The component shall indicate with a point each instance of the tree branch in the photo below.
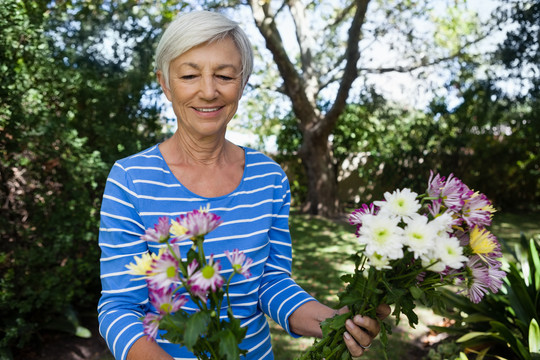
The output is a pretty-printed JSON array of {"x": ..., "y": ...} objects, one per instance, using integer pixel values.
[
  {"x": 423, "y": 62},
  {"x": 293, "y": 83},
  {"x": 350, "y": 72}
]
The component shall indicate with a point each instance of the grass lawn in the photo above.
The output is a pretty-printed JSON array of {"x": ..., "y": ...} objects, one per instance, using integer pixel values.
[{"x": 320, "y": 258}]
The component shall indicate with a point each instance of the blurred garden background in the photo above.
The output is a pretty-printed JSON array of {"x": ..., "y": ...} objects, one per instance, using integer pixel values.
[{"x": 352, "y": 98}]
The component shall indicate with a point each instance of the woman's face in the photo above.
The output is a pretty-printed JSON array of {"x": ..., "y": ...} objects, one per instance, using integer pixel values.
[{"x": 205, "y": 87}]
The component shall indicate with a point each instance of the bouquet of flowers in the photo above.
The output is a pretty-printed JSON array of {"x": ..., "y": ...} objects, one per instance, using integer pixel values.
[
  {"x": 410, "y": 245},
  {"x": 171, "y": 279}
]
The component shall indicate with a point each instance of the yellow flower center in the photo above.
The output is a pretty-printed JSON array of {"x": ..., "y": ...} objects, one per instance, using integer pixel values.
[
  {"x": 171, "y": 272},
  {"x": 208, "y": 272},
  {"x": 237, "y": 267},
  {"x": 481, "y": 242},
  {"x": 166, "y": 308}
]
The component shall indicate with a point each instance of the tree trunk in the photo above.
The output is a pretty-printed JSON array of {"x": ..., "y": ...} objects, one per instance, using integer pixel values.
[{"x": 318, "y": 162}]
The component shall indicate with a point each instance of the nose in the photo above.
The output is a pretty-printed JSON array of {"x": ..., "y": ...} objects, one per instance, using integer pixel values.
[{"x": 208, "y": 88}]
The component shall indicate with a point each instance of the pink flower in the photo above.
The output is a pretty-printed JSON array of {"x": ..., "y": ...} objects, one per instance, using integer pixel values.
[
  {"x": 160, "y": 232},
  {"x": 356, "y": 216},
  {"x": 435, "y": 207},
  {"x": 208, "y": 277},
  {"x": 198, "y": 223},
  {"x": 192, "y": 267},
  {"x": 478, "y": 281},
  {"x": 163, "y": 271},
  {"x": 165, "y": 300},
  {"x": 496, "y": 276},
  {"x": 453, "y": 193},
  {"x": 435, "y": 185},
  {"x": 477, "y": 210},
  {"x": 240, "y": 263},
  {"x": 151, "y": 325}
]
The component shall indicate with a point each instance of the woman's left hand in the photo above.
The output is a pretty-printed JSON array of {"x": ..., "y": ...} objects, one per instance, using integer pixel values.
[{"x": 361, "y": 330}]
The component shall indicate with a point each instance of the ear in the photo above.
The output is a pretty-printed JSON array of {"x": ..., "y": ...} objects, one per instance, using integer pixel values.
[{"x": 164, "y": 87}]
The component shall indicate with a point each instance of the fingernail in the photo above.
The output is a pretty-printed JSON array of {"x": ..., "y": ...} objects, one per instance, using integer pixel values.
[
  {"x": 347, "y": 335},
  {"x": 349, "y": 323},
  {"x": 358, "y": 318}
]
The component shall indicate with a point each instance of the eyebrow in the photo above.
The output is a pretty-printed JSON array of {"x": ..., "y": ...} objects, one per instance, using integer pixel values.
[{"x": 219, "y": 67}]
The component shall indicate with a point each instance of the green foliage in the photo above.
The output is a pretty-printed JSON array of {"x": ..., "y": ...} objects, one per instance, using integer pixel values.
[
  {"x": 444, "y": 351},
  {"x": 203, "y": 332},
  {"x": 68, "y": 109},
  {"x": 503, "y": 324}
]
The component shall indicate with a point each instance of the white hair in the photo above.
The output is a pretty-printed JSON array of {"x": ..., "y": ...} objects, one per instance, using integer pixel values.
[{"x": 194, "y": 28}]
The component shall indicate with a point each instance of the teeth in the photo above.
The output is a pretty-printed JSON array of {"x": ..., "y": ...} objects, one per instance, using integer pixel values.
[{"x": 207, "y": 109}]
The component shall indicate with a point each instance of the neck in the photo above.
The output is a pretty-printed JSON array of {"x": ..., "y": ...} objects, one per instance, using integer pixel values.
[{"x": 205, "y": 151}]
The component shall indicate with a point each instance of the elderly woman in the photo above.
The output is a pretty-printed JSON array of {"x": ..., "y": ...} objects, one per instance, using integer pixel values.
[{"x": 203, "y": 64}]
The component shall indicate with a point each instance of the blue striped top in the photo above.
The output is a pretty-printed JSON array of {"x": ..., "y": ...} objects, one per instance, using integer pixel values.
[{"x": 142, "y": 188}]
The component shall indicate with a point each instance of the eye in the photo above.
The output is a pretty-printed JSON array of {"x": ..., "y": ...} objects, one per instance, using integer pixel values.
[
  {"x": 188, "y": 77},
  {"x": 225, "y": 77}
]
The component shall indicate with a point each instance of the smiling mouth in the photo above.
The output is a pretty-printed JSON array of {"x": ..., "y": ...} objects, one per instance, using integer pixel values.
[{"x": 208, "y": 110}]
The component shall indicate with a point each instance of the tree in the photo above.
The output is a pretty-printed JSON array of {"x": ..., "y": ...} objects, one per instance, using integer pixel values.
[
  {"x": 69, "y": 107},
  {"x": 332, "y": 42}
]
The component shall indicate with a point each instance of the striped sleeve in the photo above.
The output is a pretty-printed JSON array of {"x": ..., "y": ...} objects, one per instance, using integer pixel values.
[
  {"x": 279, "y": 295},
  {"x": 123, "y": 301}
]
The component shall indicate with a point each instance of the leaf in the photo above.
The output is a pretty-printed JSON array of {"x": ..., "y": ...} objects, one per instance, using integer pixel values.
[
  {"x": 406, "y": 306},
  {"x": 195, "y": 327},
  {"x": 534, "y": 337},
  {"x": 228, "y": 347},
  {"x": 515, "y": 344},
  {"x": 519, "y": 295},
  {"x": 416, "y": 292},
  {"x": 472, "y": 335},
  {"x": 334, "y": 323},
  {"x": 175, "y": 326},
  {"x": 83, "y": 332},
  {"x": 476, "y": 318},
  {"x": 482, "y": 354},
  {"x": 535, "y": 266}
]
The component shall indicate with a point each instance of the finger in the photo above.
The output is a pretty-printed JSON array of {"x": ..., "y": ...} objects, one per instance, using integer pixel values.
[
  {"x": 343, "y": 310},
  {"x": 354, "y": 349},
  {"x": 383, "y": 311},
  {"x": 369, "y": 326},
  {"x": 360, "y": 333}
]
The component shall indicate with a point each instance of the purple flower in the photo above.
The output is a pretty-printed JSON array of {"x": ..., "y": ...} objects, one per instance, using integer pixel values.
[
  {"x": 454, "y": 193},
  {"x": 356, "y": 216},
  {"x": 207, "y": 277},
  {"x": 165, "y": 300},
  {"x": 160, "y": 232},
  {"x": 240, "y": 263},
  {"x": 435, "y": 185},
  {"x": 151, "y": 325},
  {"x": 496, "y": 276},
  {"x": 477, "y": 210},
  {"x": 435, "y": 207},
  {"x": 478, "y": 281},
  {"x": 163, "y": 271},
  {"x": 197, "y": 223}
]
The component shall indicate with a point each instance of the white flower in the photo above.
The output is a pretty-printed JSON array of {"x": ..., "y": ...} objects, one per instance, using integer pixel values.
[
  {"x": 450, "y": 252},
  {"x": 443, "y": 223},
  {"x": 419, "y": 235},
  {"x": 434, "y": 265},
  {"x": 402, "y": 203},
  {"x": 382, "y": 235},
  {"x": 379, "y": 262}
]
